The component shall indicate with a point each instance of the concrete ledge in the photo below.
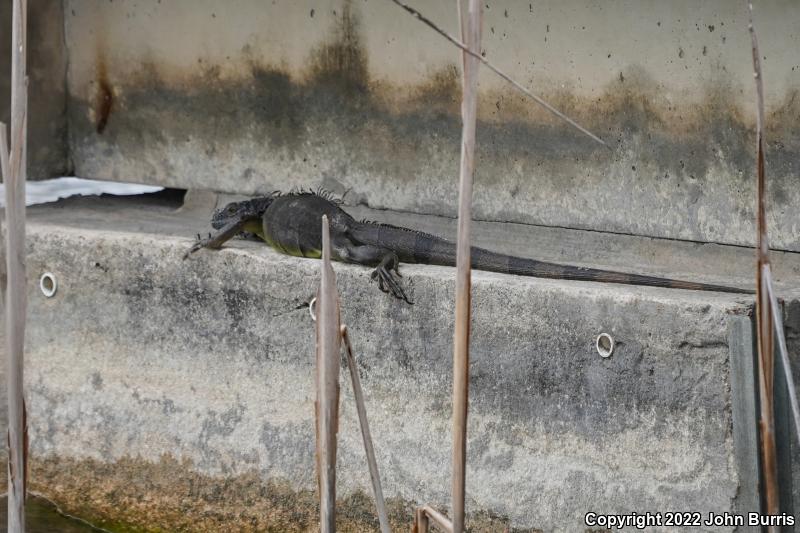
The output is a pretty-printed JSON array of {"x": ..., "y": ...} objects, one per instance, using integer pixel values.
[{"x": 209, "y": 361}]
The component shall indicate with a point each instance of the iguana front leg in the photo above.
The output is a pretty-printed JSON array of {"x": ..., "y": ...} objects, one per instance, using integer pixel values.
[{"x": 219, "y": 238}]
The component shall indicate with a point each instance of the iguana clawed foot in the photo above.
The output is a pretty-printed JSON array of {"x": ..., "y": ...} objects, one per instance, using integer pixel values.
[
  {"x": 200, "y": 243},
  {"x": 386, "y": 281}
]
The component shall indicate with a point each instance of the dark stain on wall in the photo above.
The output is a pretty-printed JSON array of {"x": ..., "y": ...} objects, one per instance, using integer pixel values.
[
  {"x": 105, "y": 96},
  {"x": 336, "y": 121},
  {"x": 441, "y": 93},
  {"x": 342, "y": 62}
]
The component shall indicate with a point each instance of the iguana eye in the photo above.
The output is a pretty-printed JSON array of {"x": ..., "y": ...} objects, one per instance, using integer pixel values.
[{"x": 231, "y": 209}]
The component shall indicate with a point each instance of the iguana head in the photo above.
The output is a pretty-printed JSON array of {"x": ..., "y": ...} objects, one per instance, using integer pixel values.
[{"x": 246, "y": 209}]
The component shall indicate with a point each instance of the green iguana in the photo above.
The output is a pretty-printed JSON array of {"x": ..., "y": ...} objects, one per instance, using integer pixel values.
[{"x": 291, "y": 223}]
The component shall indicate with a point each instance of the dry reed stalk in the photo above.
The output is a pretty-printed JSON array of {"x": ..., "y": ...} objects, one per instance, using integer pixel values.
[
  {"x": 764, "y": 319},
  {"x": 16, "y": 302},
  {"x": 471, "y": 30},
  {"x": 787, "y": 367},
  {"x": 327, "y": 381},
  {"x": 369, "y": 450},
  {"x": 425, "y": 515},
  {"x": 4, "y": 172}
]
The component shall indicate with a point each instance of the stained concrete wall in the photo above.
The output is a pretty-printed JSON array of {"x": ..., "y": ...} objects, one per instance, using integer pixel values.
[
  {"x": 144, "y": 363},
  {"x": 360, "y": 98},
  {"x": 47, "y": 94},
  {"x": 203, "y": 366}
]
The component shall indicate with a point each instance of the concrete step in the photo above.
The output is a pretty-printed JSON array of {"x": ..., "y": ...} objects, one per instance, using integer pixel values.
[{"x": 143, "y": 357}]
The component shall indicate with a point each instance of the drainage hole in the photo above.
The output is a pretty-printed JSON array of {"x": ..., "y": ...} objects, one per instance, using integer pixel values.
[
  {"x": 48, "y": 284},
  {"x": 604, "y": 345}
]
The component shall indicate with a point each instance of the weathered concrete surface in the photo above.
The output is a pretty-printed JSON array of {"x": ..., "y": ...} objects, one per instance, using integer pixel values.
[
  {"x": 47, "y": 89},
  {"x": 209, "y": 360},
  {"x": 358, "y": 96},
  {"x": 138, "y": 496}
]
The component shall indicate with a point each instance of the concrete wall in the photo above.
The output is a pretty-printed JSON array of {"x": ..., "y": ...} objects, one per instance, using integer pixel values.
[
  {"x": 47, "y": 95},
  {"x": 205, "y": 368},
  {"x": 357, "y": 96}
]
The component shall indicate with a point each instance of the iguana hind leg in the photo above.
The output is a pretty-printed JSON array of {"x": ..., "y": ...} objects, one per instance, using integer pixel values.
[
  {"x": 386, "y": 282},
  {"x": 384, "y": 260}
]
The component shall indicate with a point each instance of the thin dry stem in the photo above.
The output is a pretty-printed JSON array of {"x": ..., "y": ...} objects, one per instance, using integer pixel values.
[
  {"x": 327, "y": 381},
  {"x": 784, "y": 352},
  {"x": 369, "y": 450},
  {"x": 4, "y": 174},
  {"x": 764, "y": 319},
  {"x": 539, "y": 100},
  {"x": 425, "y": 515},
  {"x": 461, "y": 336},
  {"x": 16, "y": 300}
]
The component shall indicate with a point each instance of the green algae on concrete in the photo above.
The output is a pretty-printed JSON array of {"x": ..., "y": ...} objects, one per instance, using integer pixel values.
[
  {"x": 137, "y": 496},
  {"x": 42, "y": 516}
]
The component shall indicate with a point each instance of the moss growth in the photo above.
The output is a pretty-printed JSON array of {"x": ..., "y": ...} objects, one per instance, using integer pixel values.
[{"x": 137, "y": 496}]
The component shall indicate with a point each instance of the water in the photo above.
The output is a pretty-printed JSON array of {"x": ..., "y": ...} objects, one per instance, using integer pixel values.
[{"x": 42, "y": 517}]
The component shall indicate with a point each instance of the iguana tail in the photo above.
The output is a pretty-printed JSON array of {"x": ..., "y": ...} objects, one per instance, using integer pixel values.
[
  {"x": 417, "y": 247},
  {"x": 493, "y": 262}
]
